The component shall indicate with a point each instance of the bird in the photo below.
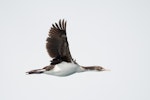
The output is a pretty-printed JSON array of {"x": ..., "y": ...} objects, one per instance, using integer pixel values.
[{"x": 62, "y": 63}]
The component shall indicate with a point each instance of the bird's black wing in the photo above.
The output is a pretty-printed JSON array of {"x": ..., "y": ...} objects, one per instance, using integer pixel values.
[{"x": 57, "y": 44}]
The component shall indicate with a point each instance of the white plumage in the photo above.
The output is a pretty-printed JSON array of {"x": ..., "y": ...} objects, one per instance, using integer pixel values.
[{"x": 64, "y": 69}]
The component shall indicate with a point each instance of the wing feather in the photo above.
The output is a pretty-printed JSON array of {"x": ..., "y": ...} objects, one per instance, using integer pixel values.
[{"x": 57, "y": 44}]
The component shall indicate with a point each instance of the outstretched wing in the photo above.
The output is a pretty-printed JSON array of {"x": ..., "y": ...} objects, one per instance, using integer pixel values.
[{"x": 57, "y": 44}]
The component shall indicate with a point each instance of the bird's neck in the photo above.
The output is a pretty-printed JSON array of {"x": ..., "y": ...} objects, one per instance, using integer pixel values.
[
  {"x": 90, "y": 68},
  {"x": 87, "y": 68}
]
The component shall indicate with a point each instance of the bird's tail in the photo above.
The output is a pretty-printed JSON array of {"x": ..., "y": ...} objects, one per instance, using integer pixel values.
[{"x": 36, "y": 71}]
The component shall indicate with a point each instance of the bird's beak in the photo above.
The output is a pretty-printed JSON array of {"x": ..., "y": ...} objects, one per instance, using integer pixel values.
[{"x": 106, "y": 69}]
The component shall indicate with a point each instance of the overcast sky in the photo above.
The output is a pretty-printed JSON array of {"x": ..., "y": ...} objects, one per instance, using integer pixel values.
[{"x": 112, "y": 33}]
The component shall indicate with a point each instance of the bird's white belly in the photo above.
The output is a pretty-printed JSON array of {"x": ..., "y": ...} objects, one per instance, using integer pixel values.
[{"x": 63, "y": 69}]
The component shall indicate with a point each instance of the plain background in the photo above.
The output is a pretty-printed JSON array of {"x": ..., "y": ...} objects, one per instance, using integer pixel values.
[{"x": 111, "y": 33}]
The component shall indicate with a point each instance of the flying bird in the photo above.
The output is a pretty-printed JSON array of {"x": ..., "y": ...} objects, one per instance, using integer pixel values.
[{"x": 62, "y": 63}]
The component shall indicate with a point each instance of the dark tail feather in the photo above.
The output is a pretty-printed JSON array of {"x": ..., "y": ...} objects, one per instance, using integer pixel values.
[{"x": 37, "y": 71}]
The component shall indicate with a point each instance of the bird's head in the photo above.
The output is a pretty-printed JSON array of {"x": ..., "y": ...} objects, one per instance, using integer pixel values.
[
  {"x": 100, "y": 68},
  {"x": 95, "y": 68}
]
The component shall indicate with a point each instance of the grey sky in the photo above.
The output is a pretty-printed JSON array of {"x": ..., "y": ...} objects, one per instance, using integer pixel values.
[{"x": 111, "y": 33}]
